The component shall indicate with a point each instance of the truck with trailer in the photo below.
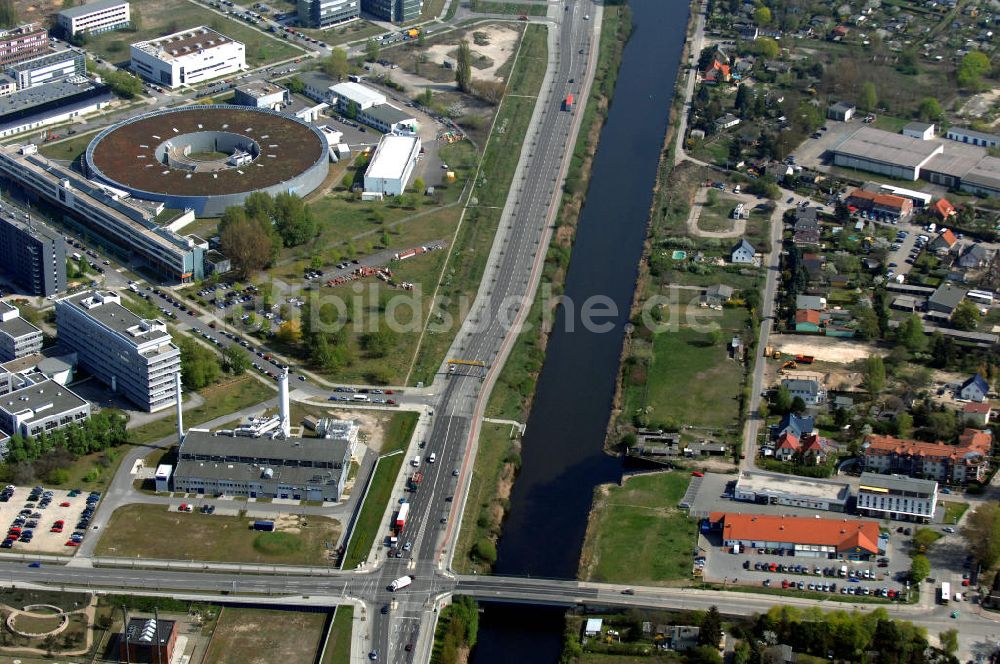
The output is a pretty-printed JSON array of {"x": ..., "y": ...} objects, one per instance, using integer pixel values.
[
  {"x": 415, "y": 480},
  {"x": 568, "y": 102},
  {"x": 400, "y": 583}
]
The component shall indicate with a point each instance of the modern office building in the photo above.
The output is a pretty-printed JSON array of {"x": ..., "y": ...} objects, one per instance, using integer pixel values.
[
  {"x": 222, "y": 463},
  {"x": 188, "y": 57},
  {"x": 133, "y": 356},
  {"x": 23, "y": 43},
  {"x": 131, "y": 227},
  {"x": 18, "y": 337},
  {"x": 897, "y": 497},
  {"x": 789, "y": 491},
  {"x": 807, "y": 537},
  {"x": 34, "y": 108},
  {"x": 397, "y": 11},
  {"x": 392, "y": 165},
  {"x": 32, "y": 255},
  {"x": 95, "y": 17},
  {"x": 323, "y": 13},
  {"x": 49, "y": 68},
  {"x": 40, "y": 408}
]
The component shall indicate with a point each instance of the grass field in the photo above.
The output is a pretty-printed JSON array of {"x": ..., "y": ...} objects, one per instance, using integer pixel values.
[
  {"x": 717, "y": 217},
  {"x": 526, "y": 8},
  {"x": 69, "y": 149},
  {"x": 638, "y": 535},
  {"x": 162, "y": 17},
  {"x": 685, "y": 377},
  {"x": 222, "y": 399},
  {"x": 338, "y": 646},
  {"x": 953, "y": 511},
  {"x": 150, "y": 531},
  {"x": 369, "y": 521},
  {"x": 262, "y": 636},
  {"x": 480, "y": 519}
]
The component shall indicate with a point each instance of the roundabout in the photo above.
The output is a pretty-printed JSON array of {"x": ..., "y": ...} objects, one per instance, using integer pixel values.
[{"x": 208, "y": 158}]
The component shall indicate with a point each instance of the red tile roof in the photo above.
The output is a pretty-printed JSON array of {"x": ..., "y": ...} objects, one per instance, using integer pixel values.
[
  {"x": 813, "y": 443},
  {"x": 943, "y": 208},
  {"x": 891, "y": 201},
  {"x": 788, "y": 441},
  {"x": 948, "y": 237},
  {"x": 972, "y": 440},
  {"x": 974, "y": 407},
  {"x": 843, "y": 534},
  {"x": 807, "y": 316},
  {"x": 977, "y": 440}
]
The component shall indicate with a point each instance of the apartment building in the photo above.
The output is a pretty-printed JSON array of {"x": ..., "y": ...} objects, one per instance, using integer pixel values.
[
  {"x": 133, "y": 356},
  {"x": 95, "y": 17},
  {"x": 32, "y": 255},
  {"x": 897, "y": 497},
  {"x": 23, "y": 43},
  {"x": 951, "y": 464},
  {"x": 18, "y": 337}
]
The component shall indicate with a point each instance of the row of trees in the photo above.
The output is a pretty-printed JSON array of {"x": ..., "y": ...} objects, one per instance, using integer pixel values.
[
  {"x": 251, "y": 234},
  {"x": 201, "y": 367}
]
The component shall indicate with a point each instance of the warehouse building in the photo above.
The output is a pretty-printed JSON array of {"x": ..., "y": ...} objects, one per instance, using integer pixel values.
[
  {"x": 260, "y": 94},
  {"x": 133, "y": 356},
  {"x": 897, "y": 497},
  {"x": 323, "y": 13},
  {"x": 51, "y": 104},
  {"x": 18, "y": 337},
  {"x": 291, "y": 468},
  {"x": 95, "y": 17},
  {"x": 972, "y": 137},
  {"x": 367, "y": 106},
  {"x": 802, "y": 536},
  {"x": 40, "y": 408},
  {"x": 876, "y": 151},
  {"x": 392, "y": 164},
  {"x": 23, "y": 43},
  {"x": 32, "y": 255},
  {"x": 49, "y": 68},
  {"x": 188, "y": 57},
  {"x": 792, "y": 492},
  {"x": 131, "y": 227}
]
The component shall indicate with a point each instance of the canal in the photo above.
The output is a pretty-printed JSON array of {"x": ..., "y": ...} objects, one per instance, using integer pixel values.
[{"x": 562, "y": 453}]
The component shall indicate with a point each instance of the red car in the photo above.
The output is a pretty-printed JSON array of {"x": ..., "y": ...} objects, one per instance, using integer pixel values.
[
  {"x": 72, "y": 543},
  {"x": 697, "y": 473},
  {"x": 64, "y": 504}
]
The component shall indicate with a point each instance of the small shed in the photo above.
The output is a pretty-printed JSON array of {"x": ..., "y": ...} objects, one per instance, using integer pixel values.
[
  {"x": 593, "y": 626},
  {"x": 841, "y": 111}
]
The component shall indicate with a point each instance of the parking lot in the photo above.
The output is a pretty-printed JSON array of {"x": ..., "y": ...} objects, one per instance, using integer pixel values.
[
  {"x": 43, "y": 520},
  {"x": 884, "y": 576}
]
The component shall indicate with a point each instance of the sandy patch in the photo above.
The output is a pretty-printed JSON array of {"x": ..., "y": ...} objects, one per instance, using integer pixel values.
[
  {"x": 980, "y": 105},
  {"x": 841, "y": 351},
  {"x": 499, "y": 45}
]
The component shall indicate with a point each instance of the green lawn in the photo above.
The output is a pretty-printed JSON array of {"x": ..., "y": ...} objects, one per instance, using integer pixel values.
[
  {"x": 369, "y": 522},
  {"x": 495, "y": 448},
  {"x": 353, "y": 31},
  {"x": 533, "y": 59},
  {"x": 638, "y": 535},
  {"x": 685, "y": 377},
  {"x": 162, "y": 17},
  {"x": 717, "y": 217},
  {"x": 68, "y": 149},
  {"x": 399, "y": 431},
  {"x": 491, "y": 7},
  {"x": 150, "y": 531},
  {"x": 338, "y": 646},
  {"x": 221, "y": 399},
  {"x": 256, "y": 636},
  {"x": 953, "y": 511}
]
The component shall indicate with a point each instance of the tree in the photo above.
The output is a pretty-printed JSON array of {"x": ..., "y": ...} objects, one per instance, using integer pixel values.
[
  {"x": 782, "y": 400},
  {"x": 8, "y": 14},
  {"x": 485, "y": 550},
  {"x": 923, "y": 538},
  {"x": 372, "y": 50},
  {"x": 982, "y": 532},
  {"x": 869, "y": 96},
  {"x": 199, "y": 365},
  {"x": 971, "y": 69},
  {"x": 463, "y": 67},
  {"x": 715, "y": 337},
  {"x": 293, "y": 220},
  {"x": 965, "y": 316},
  {"x": 380, "y": 342},
  {"x": 710, "y": 632},
  {"x": 289, "y": 332},
  {"x": 235, "y": 359},
  {"x": 762, "y": 16},
  {"x": 336, "y": 65},
  {"x": 295, "y": 85},
  {"x": 352, "y": 109},
  {"x": 911, "y": 334},
  {"x": 874, "y": 375},
  {"x": 798, "y": 405},
  {"x": 743, "y": 99},
  {"x": 767, "y": 48},
  {"x": 419, "y": 185},
  {"x": 949, "y": 641},
  {"x": 123, "y": 84},
  {"x": 920, "y": 567},
  {"x": 929, "y": 109},
  {"x": 704, "y": 655},
  {"x": 247, "y": 243}
]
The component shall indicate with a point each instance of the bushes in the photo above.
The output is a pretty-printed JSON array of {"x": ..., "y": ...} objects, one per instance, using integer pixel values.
[{"x": 485, "y": 550}]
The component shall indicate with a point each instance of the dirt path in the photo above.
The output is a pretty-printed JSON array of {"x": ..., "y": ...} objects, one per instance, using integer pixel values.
[{"x": 700, "y": 197}]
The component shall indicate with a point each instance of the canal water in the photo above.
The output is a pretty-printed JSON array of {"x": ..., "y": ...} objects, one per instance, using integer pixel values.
[{"x": 562, "y": 453}]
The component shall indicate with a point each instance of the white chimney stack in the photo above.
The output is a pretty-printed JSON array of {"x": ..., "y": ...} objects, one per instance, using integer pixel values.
[
  {"x": 180, "y": 414},
  {"x": 284, "y": 411}
]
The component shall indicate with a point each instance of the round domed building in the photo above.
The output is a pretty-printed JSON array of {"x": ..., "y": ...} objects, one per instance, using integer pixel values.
[{"x": 208, "y": 158}]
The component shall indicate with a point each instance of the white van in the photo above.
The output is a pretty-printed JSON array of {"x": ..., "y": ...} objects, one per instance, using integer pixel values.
[
  {"x": 360, "y": 397},
  {"x": 415, "y": 462},
  {"x": 432, "y": 458}
]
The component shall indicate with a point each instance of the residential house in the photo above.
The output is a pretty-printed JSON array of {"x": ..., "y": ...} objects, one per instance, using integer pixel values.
[
  {"x": 841, "y": 111},
  {"x": 749, "y": 33},
  {"x": 817, "y": 302},
  {"x": 726, "y": 121},
  {"x": 837, "y": 34},
  {"x": 716, "y": 295},
  {"x": 807, "y": 320},
  {"x": 743, "y": 252},
  {"x": 806, "y": 385},
  {"x": 956, "y": 464},
  {"x": 810, "y": 448},
  {"x": 943, "y": 243},
  {"x": 886, "y": 207},
  {"x": 977, "y": 413},
  {"x": 943, "y": 209},
  {"x": 973, "y": 256},
  {"x": 799, "y": 425},
  {"x": 945, "y": 299},
  {"x": 813, "y": 264},
  {"x": 974, "y": 389},
  {"x": 716, "y": 72}
]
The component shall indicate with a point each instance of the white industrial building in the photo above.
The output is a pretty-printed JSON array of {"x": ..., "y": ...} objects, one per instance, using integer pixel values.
[
  {"x": 392, "y": 164},
  {"x": 895, "y": 155},
  {"x": 49, "y": 68},
  {"x": 95, "y": 17},
  {"x": 363, "y": 96},
  {"x": 188, "y": 57},
  {"x": 260, "y": 94},
  {"x": 812, "y": 494}
]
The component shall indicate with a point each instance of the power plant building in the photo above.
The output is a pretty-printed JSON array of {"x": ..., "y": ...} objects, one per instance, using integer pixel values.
[{"x": 133, "y": 356}]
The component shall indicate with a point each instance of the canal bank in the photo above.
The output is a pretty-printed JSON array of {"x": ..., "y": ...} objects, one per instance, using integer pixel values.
[{"x": 563, "y": 456}]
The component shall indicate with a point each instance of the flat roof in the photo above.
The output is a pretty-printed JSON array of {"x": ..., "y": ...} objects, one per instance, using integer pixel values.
[
  {"x": 30, "y": 97},
  {"x": 58, "y": 397},
  {"x": 46, "y": 59},
  {"x": 391, "y": 156},
  {"x": 36, "y": 229},
  {"x": 362, "y": 94},
  {"x": 888, "y": 148},
  {"x": 897, "y": 483},
  {"x": 787, "y": 485},
  {"x": 220, "y": 447},
  {"x": 389, "y": 114},
  {"x": 258, "y": 89},
  {"x": 102, "y": 307},
  {"x": 17, "y": 328},
  {"x": 184, "y": 43},
  {"x": 985, "y": 173},
  {"x": 972, "y": 133},
  {"x": 96, "y": 6}
]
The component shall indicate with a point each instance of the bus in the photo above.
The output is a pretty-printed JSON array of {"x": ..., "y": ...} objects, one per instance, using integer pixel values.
[
  {"x": 945, "y": 592},
  {"x": 981, "y": 296}
]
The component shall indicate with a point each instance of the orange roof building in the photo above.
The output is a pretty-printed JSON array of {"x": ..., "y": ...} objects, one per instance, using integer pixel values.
[
  {"x": 943, "y": 209},
  {"x": 715, "y": 72},
  {"x": 821, "y": 538},
  {"x": 956, "y": 464}
]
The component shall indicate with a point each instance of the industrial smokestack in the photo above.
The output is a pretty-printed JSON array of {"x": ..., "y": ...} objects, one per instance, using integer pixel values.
[
  {"x": 180, "y": 413},
  {"x": 284, "y": 411}
]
